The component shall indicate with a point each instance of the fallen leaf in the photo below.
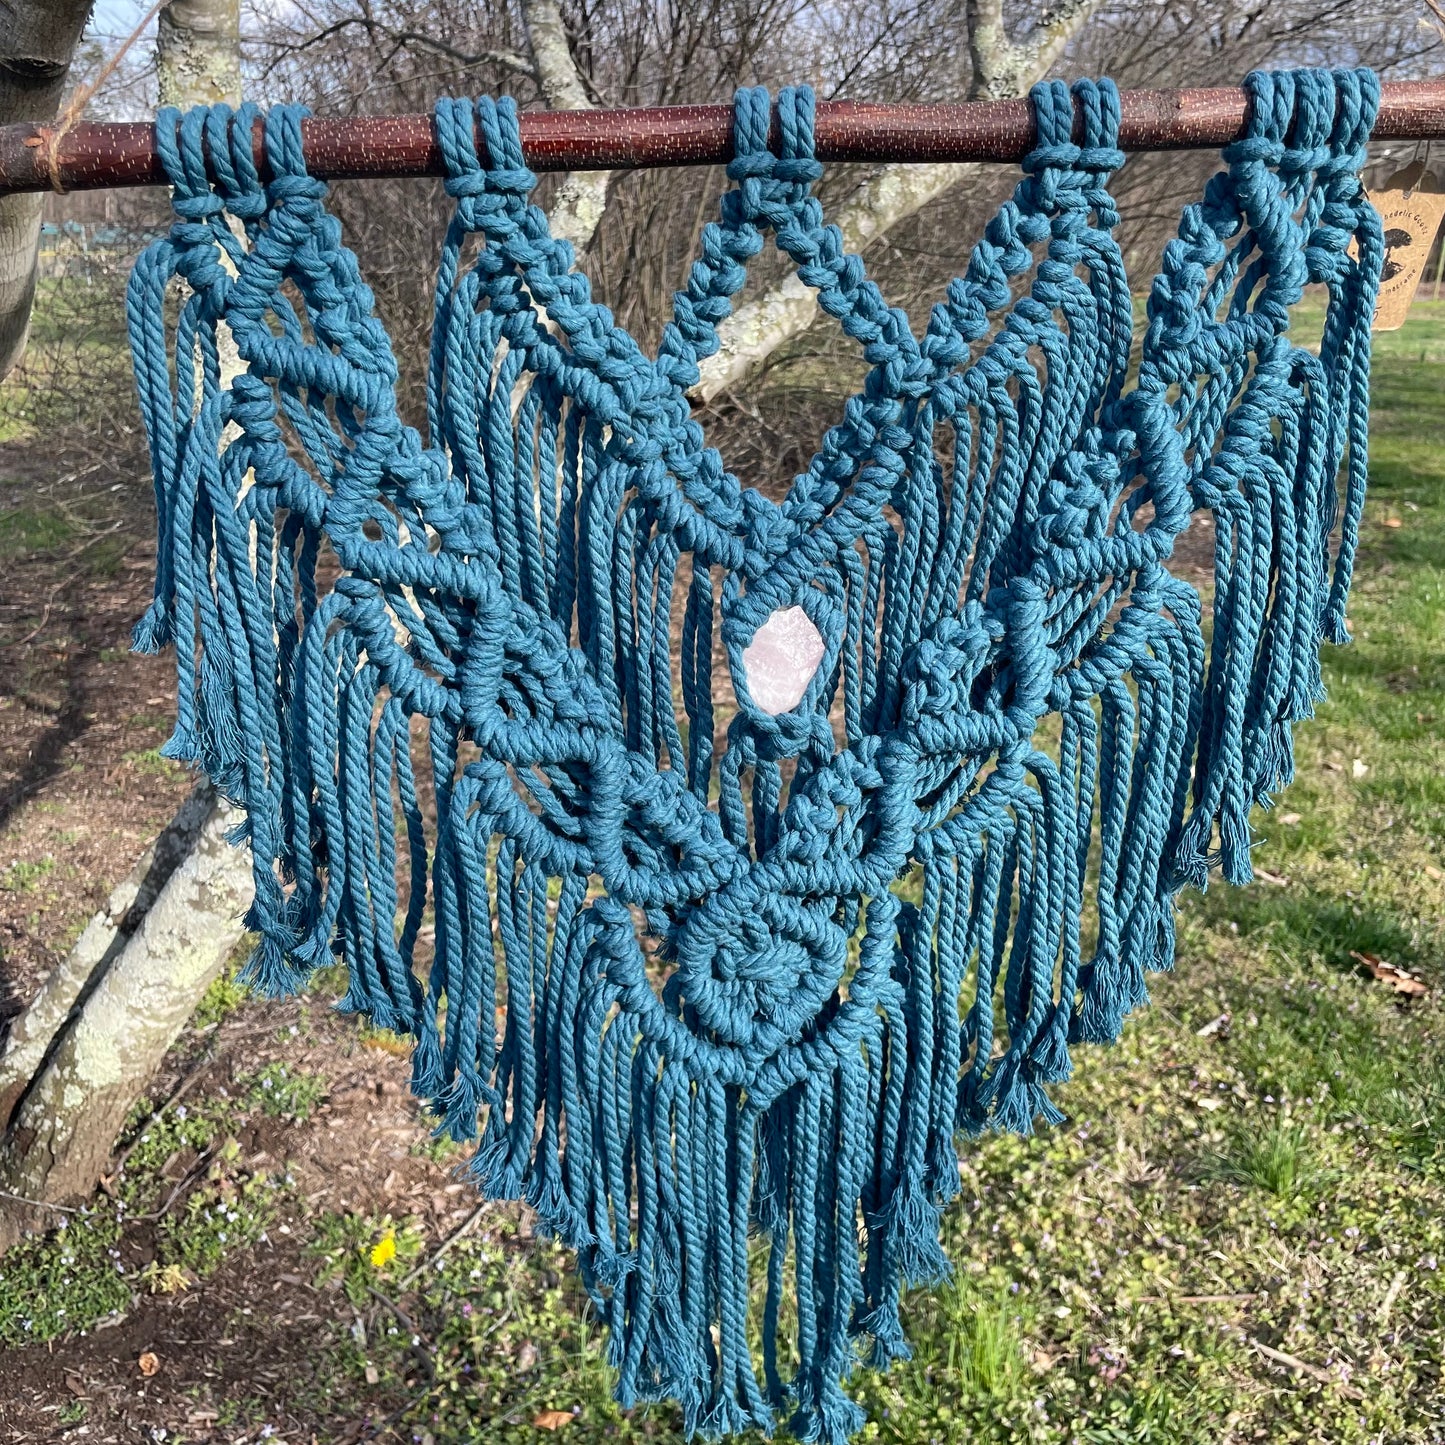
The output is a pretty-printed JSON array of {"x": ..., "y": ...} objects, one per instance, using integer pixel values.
[
  {"x": 75, "y": 1384},
  {"x": 170, "y": 1279},
  {"x": 526, "y": 1357},
  {"x": 1393, "y": 522},
  {"x": 1431, "y": 871},
  {"x": 371, "y": 1375},
  {"x": 149, "y": 1363},
  {"x": 552, "y": 1420},
  {"x": 1279, "y": 880},
  {"x": 1399, "y": 979},
  {"x": 1289, "y": 819},
  {"x": 1218, "y": 1026}
]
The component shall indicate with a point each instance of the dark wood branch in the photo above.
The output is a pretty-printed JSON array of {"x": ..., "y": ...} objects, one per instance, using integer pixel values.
[{"x": 100, "y": 156}]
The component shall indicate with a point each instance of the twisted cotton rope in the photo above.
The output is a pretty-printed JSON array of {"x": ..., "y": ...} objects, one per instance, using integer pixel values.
[{"x": 797, "y": 1047}]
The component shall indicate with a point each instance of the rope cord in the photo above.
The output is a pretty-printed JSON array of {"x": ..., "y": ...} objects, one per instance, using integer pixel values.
[{"x": 684, "y": 988}]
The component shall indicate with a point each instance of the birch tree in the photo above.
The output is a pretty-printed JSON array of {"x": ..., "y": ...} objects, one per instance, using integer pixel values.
[{"x": 37, "y": 43}]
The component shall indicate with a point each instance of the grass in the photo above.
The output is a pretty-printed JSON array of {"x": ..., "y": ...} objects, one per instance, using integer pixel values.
[
  {"x": 25, "y": 874},
  {"x": 26, "y": 531},
  {"x": 1277, "y": 1158}
]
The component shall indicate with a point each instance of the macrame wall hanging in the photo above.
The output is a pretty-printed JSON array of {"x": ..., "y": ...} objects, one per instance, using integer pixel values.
[{"x": 696, "y": 982}]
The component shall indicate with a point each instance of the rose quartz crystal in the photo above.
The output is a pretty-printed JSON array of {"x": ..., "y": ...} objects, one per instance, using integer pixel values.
[{"x": 780, "y": 661}]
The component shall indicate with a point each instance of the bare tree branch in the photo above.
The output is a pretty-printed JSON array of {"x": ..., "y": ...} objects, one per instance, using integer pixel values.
[
  {"x": 507, "y": 59},
  {"x": 1002, "y": 68}
]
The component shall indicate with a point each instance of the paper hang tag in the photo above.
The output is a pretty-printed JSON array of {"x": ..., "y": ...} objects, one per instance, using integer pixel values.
[{"x": 1411, "y": 206}]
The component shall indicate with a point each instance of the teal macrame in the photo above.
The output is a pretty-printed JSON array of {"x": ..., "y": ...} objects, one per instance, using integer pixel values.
[{"x": 691, "y": 992}]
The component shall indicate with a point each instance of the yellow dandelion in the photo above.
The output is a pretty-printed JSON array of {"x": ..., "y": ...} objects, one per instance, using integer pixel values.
[{"x": 384, "y": 1250}]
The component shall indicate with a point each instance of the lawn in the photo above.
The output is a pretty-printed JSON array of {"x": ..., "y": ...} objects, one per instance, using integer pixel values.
[{"x": 1236, "y": 1236}]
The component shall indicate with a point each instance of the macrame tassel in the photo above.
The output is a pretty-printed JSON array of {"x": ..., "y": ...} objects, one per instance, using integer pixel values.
[{"x": 1273, "y": 498}]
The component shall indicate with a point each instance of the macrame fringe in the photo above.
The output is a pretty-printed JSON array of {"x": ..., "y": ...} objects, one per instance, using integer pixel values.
[{"x": 676, "y": 994}]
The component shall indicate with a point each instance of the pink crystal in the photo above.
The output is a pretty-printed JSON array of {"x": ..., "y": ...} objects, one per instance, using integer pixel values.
[{"x": 780, "y": 661}]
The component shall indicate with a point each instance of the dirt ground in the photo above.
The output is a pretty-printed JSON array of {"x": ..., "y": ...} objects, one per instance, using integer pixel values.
[{"x": 82, "y": 791}]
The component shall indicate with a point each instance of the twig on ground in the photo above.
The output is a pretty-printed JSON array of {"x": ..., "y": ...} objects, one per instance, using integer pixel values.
[
  {"x": 445, "y": 1245},
  {"x": 423, "y": 1354},
  {"x": 1391, "y": 1295},
  {"x": 38, "y": 1203},
  {"x": 1303, "y": 1367},
  {"x": 191, "y": 1076},
  {"x": 189, "y": 1177},
  {"x": 1196, "y": 1299}
]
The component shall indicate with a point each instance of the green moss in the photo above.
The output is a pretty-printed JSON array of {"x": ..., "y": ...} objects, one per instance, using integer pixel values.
[{"x": 26, "y": 531}]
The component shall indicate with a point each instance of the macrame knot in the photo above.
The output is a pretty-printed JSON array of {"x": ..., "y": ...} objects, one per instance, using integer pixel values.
[
  {"x": 796, "y": 162},
  {"x": 752, "y": 118},
  {"x": 1099, "y": 114},
  {"x": 1075, "y": 505}
]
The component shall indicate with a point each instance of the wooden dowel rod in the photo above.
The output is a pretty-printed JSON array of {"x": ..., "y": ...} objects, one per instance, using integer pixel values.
[{"x": 110, "y": 154}]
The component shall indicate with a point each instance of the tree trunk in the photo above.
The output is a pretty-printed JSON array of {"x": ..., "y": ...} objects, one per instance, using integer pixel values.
[
  {"x": 37, "y": 40},
  {"x": 66, "y": 1125},
  {"x": 34, "y": 1032},
  {"x": 582, "y": 196},
  {"x": 198, "y": 52}
]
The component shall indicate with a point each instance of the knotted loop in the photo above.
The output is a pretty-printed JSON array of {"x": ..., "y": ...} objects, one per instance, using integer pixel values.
[
  {"x": 1358, "y": 94},
  {"x": 500, "y": 125},
  {"x": 1054, "y": 147},
  {"x": 1270, "y": 114},
  {"x": 1099, "y": 115},
  {"x": 456, "y": 123},
  {"x": 231, "y": 153},
  {"x": 752, "y": 118},
  {"x": 796, "y": 161},
  {"x": 180, "y": 144}
]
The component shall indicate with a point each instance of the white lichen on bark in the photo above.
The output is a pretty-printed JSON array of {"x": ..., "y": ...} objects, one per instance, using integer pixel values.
[
  {"x": 198, "y": 52},
  {"x": 581, "y": 199},
  {"x": 67, "y": 1122}
]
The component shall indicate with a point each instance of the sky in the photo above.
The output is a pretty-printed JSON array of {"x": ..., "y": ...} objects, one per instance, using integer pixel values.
[{"x": 113, "y": 20}]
